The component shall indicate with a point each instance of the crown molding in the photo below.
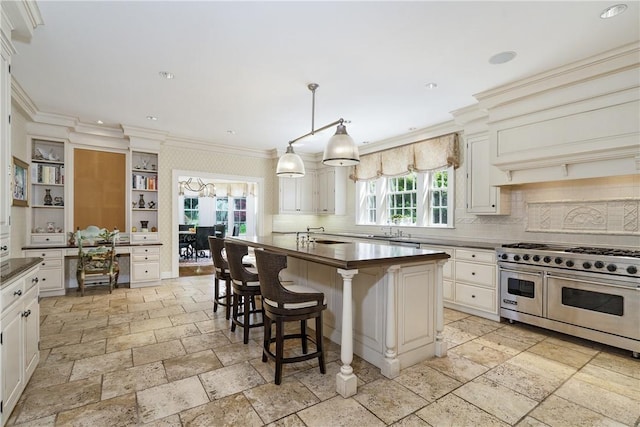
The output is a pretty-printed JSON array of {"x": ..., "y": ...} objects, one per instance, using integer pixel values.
[
  {"x": 24, "y": 16},
  {"x": 202, "y": 145}
]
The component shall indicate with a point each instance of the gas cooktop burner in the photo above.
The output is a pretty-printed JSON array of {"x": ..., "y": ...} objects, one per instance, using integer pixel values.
[
  {"x": 604, "y": 251},
  {"x": 526, "y": 245}
]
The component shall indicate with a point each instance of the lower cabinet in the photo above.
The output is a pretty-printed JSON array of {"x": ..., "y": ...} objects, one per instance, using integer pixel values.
[
  {"x": 469, "y": 281},
  {"x": 51, "y": 270},
  {"x": 20, "y": 331},
  {"x": 145, "y": 264}
]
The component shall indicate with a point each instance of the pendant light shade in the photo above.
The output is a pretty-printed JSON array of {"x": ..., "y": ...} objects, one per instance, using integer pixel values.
[
  {"x": 341, "y": 150},
  {"x": 290, "y": 165}
]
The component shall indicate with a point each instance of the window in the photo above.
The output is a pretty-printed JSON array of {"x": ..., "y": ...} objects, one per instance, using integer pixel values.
[
  {"x": 222, "y": 211},
  {"x": 191, "y": 210},
  {"x": 418, "y": 199},
  {"x": 240, "y": 213}
]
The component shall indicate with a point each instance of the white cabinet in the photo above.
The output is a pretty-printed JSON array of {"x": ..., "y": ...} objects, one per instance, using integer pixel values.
[
  {"x": 326, "y": 191},
  {"x": 482, "y": 197},
  {"x": 144, "y": 196},
  {"x": 5, "y": 153},
  {"x": 20, "y": 336},
  {"x": 51, "y": 270},
  {"x": 475, "y": 282},
  {"x": 297, "y": 194},
  {"x": 469, "y": 280},
  {"x": 47, "y": 192},
  {"x": 145, "y": 264}
]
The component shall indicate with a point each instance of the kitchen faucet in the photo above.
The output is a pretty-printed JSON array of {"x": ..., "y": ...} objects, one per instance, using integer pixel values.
[{"x": 390, "y": 232}]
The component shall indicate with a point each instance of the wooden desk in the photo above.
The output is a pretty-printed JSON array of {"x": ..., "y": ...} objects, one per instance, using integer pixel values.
[{"x": 394, "y": 293}]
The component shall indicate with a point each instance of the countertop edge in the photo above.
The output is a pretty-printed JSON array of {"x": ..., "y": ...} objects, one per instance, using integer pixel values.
[{"x": 15, "y": 266}]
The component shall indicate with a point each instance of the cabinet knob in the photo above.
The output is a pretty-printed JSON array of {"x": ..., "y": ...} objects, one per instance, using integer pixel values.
[
  {"x": 473, "y": 273},
  {"x": 493, "y": 206},
  {"x": 473, "y": 296},
  {"x": 473, "y": 255},
  {"x": 47, "y": 239},
  {"x": 43, "y": 264},
  {"x": 26, "y": 313},
  {"x": 146, "y": 271},
  {"x": 35, "y": 280},
  {"x": 43, "y": 279},
  {"x": 146, "y": 258},
  {"x": 4, "y": 247},
  {"x": 18, "y": 292},
  {"x": 43, "y": 255}
]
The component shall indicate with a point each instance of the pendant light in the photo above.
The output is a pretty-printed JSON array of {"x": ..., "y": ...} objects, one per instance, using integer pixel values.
[
  {"x": 290, "y": 164},
  {"x": 341, "y": 150}
]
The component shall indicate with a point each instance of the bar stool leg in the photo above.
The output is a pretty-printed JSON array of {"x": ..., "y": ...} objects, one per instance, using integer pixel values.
[{"x": 279, "y": 349}]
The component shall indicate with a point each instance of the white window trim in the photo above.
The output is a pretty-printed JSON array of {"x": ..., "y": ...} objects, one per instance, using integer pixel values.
[{"x": 423, "y": 202}]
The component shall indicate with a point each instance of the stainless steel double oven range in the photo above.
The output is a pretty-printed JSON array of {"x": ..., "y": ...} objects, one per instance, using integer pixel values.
[{"x": 593, "y": 293}]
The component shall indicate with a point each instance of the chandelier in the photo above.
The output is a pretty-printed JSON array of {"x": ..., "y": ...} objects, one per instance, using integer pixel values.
[
  {"x": 341, "y": 150},
  {"x": 203, "y": 189}
]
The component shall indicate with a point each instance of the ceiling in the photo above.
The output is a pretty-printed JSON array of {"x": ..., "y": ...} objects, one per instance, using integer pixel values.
[{"x": 242, "y": 68}]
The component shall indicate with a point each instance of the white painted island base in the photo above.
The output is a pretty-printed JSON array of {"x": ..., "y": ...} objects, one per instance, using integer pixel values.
[{"x": 391, "y": 316}]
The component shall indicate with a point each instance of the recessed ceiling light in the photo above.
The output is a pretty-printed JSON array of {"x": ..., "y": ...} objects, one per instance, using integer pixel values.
[
  {"x": 100, "y": 122},
  {"x": 231, "y": 132},
  {"x": 431, "y": 85},
  {"x": 166, "y": 75},
  {"x": 152, "y": 118},
  {"x": 502, "y": 57},
  {"x": 412, "y": 128},
  {"x": 612, "y": 11}
]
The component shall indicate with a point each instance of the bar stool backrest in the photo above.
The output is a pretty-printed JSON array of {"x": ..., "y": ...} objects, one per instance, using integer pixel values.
[
  {"x": 216, "y": 246},
  {"x": 239, "y": 273}
]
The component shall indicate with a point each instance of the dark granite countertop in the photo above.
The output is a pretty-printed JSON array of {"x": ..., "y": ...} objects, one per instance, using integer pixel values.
[
  {"x": 344, "y": 253},
  {"x": 420, "y": 240},
  {"x": 14, "y": 266}
]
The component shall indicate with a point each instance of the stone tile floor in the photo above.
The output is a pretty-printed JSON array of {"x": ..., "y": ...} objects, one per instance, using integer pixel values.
[{"x": 159, "y": 356}]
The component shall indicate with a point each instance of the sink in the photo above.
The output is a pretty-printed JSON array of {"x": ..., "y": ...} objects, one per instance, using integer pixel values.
[
  {"x": 379, "y": 236},
  {"x": 328, "y": 242}
]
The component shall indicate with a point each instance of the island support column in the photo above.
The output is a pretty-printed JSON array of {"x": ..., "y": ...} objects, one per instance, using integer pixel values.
[
  {"x": 441, "y": 344},
  {"x": 391, "y": 363},
  {"x": 346, "y": 381}
]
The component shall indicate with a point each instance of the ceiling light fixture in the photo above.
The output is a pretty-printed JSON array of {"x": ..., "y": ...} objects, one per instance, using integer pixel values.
[
  {"x": 502, "y": 57},
  {"x": 166, "y": 75},
  {"x": 152, "y": 118},
  {"x": 431, "y": 85},
  {"x": 203, "y": 189},
  {"x": 100, "y": 122},
  {"x": 612, "y": 11},
  {"x": 341, "y": 150}
]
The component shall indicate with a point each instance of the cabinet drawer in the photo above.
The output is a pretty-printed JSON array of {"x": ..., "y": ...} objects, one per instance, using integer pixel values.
[
  {"x": 47, "y": 253},
  {"x": 447, "y": 287},
  {"x": 144, "y": 237},
  {"x": 481, "y": 274},
  {"x": 50, "y": 279},
  {"x": 48, "y": 239},
  {"x": 475, "y": 296},
  {"x": 145, "y": 250},
  {"x": 141, "y": 272},
  {"x": 477, "y": 255},
  {"x": 51, "y": 263},
  {"x": 12, "y": 293},
  {"x": 145, "y": 258}
]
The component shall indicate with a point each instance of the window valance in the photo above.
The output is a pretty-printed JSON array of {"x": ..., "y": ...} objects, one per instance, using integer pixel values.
[{"x": 421, "y": 156}]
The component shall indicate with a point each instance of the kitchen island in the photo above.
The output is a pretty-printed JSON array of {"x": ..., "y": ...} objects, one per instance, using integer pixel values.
[{"x": 384, "y": 303}]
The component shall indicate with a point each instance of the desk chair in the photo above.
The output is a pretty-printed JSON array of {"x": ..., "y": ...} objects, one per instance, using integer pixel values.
[
  {"x": 97, "y": 262},
  {"x": 287, "y": 304},
  {"x": 245, "y": 289},
  {"x": 221, "y": 272}
]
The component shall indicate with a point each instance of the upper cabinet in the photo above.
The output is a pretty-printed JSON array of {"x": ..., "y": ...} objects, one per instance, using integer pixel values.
[
  {"x": 297, "y": 194},
  {"x": 5, "y": 153},
  {"x": 482, "y": 197},
  {"x": 47, "y": 194},
  {"x": 577, "y": 121},
  {"x": 321, "y": 191},
  {"x": 144, "y": 197}
]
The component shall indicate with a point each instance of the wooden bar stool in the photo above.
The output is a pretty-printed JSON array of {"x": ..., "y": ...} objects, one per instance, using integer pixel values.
[
  {"x": 287, "y": 304},
  {"x": 245, "y": 289},
  {"x": 221, "y": 270}
]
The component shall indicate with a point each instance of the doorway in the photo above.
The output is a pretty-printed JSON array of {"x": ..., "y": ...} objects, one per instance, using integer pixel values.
[{"x": 203, "y": 200}]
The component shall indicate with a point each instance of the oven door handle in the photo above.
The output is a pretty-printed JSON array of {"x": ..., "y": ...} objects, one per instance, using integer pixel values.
[
  {"x": 591, "y": 281},
  {"x": 526, "y": 272}
]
